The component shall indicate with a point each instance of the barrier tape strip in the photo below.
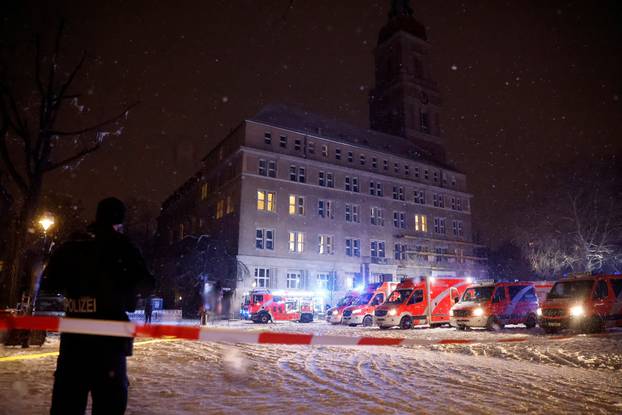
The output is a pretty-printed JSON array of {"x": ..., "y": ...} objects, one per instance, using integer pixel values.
[{"x": 211, "y": 334}]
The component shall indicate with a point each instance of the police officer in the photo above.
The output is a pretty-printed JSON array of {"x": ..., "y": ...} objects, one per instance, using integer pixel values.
[{"x": 100, "y": 272}]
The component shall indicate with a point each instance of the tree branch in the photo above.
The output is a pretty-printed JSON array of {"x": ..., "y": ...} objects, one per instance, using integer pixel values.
[
  {"x": 96, "y": 126},
  {"x": 69, "y": 160}
]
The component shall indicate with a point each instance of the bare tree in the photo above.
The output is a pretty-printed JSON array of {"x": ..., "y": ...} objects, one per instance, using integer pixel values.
[
  {"x": 577, "y": 226},
  {"x": 32, "y": 144}
]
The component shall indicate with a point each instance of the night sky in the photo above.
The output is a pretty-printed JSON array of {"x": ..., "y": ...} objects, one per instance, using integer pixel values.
[{"x": 524, "y": 83}]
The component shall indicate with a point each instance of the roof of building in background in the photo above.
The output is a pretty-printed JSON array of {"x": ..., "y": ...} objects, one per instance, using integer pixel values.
[{"x": 305, "y": 122}]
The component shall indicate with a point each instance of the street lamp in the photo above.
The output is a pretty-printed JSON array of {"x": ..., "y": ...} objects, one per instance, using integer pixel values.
[{"x": 46, "y": 221}]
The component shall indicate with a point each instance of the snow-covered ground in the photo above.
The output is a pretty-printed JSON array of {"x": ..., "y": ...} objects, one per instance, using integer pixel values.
[{"x": 581, "y": 375}]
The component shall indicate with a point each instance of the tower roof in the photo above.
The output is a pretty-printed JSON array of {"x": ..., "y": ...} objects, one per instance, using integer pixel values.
[{"x": 401, "y": 20}]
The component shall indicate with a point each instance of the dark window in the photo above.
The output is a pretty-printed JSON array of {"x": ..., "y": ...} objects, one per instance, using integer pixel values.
[
  {"x": 417, "y": 297},
  {"x": 283, "y": 142},
  {"x": 601, "y": 290},
  {"x": 499, "y": 295},
  {"x": 337, "y": 154},
  {"x": 617, "y": 287},
  {"x": 525, "y": 292},
  {"x": 267, "y": 138}
]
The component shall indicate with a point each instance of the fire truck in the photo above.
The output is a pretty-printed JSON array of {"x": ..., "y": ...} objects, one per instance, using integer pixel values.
[
  {"x": 335, "y": 314},
  {"x": 362, "y": 310},
  {"x": 266, "y": 306},
  {"x": 419, "y": 301},
  {"x": 493, "y": 304},
  {"x": 585, "y": 303}
]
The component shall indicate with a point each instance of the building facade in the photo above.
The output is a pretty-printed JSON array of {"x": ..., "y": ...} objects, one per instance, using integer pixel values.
[{"x": 297, "y": 201}]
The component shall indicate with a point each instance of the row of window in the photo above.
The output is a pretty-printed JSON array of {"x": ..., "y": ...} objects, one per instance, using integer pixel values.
[
  {"x": 326, "y": 209},
  {"x": 363, "y": 160},
  {"x": 295, "y": 279},
  {"x": 327, "y": 179},
  {"x": 265, "y": 240}
]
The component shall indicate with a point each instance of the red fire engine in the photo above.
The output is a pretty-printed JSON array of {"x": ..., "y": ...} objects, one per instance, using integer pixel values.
[
  {"x": 586, "y": 303},
  {"x": 266, "y": 306},
  {"x": 335, "y": 314},
  {"x": 493, "y": 304},
  {"x": 362, "y": 310},
  {"x": 419, "y": 301}
]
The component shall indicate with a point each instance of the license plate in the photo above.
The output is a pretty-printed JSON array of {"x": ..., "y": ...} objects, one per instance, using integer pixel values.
[{"x": 554, "y": 324}]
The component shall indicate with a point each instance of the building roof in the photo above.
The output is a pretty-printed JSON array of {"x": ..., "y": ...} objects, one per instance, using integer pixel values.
[{"x": 304, "y": 122}]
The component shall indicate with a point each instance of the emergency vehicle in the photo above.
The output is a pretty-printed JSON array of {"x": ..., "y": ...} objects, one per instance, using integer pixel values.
[
  {"x": 335, "y": 314},
  {"x": 493, "y": 304},
  {"x": 419, "y": 301},
  {"x": 586, "y": 303},
  {"x": 266, "y": 306},
  {"x": 362, "y": 310}
]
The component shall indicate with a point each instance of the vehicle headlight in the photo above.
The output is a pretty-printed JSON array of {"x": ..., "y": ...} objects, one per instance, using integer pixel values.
[
  {"x": 478, "y": 312},
  {"x": 577, "y": 311},
  {"x": 451, "y": 312},
  {"x": 357, "y": 311},
  {"x": 392, "y": 312},
  {"x": 335, "y": 312},
  {"x": 539, "y": 311}
]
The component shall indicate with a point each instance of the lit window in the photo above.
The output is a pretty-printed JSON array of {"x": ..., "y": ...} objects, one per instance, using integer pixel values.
[
  {"x": 204, "y": 190},
  {"x": 296, "y": 205},
  {"x": 265, "y": 201},
  {"x": 296, "y": 241},
  {"x": 229, "y": 205},
  {"x": 220, "y": 209},
  {"x": 421, "y": 223}
]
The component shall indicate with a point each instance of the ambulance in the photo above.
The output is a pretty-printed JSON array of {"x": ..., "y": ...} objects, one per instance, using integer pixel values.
[
  {"x": 419, "y": 301},
  {"x": 335, "y": 314},
  {"x": 266, "y": 306},
  {"x": 585, "y": 303},
  {"x": 362, "y": 310},
  {"x": 493, "y": 304}
]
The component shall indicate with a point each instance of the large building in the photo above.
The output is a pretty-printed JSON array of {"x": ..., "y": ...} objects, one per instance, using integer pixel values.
[{"x": 299, "y": 201}]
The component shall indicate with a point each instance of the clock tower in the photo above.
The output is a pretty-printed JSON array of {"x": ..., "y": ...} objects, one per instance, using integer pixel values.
[{"x": 405, "y": 100}]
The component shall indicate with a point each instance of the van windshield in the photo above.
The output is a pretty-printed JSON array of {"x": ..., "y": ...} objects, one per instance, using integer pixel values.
[
  {"x": 363, "y": 299},
  {"x": 346, "y": 301},
  {"x": 399, "y": 296},
  {"x": 571, "y": 289},
  {"x": 478, "y": 294}
]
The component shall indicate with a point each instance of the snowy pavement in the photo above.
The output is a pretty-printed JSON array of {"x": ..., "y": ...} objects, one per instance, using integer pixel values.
[{"x": 581, "y": 375}]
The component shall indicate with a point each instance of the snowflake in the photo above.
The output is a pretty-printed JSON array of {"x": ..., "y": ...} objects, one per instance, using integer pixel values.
[
  {"x": 454, "y": 67},
  {"x": 225, "y": 99}
]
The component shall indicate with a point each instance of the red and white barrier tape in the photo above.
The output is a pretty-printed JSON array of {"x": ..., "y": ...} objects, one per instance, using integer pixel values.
[{"x": 210, "y": 334}]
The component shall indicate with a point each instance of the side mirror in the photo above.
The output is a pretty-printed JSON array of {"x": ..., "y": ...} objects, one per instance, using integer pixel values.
[{"x": 456, "y": 299}]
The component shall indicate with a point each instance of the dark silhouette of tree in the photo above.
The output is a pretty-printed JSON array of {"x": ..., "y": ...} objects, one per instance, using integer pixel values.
[
  {"x": 574, "y": 225},
  {"x": 33, "y": 142}
]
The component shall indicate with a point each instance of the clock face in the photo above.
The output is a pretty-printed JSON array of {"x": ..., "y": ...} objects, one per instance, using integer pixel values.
[{"x": 423, "y": 97}]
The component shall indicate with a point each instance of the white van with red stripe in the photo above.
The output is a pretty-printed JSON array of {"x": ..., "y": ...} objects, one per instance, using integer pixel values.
[
  {"x": 362, "y": 310},
  {"x": 419, "y": 301},
  {"x": 493, "y": 304}
]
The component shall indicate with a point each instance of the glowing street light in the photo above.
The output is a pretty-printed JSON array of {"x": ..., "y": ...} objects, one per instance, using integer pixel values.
[{"x": 46, "y": 222}]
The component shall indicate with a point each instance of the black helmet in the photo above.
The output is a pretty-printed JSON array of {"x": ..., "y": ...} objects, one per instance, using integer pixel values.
[{"x": 110, "y": 211}]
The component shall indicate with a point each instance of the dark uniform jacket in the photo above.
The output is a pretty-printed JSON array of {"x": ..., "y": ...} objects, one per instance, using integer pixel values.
[{"x": 100, "y": 273}]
